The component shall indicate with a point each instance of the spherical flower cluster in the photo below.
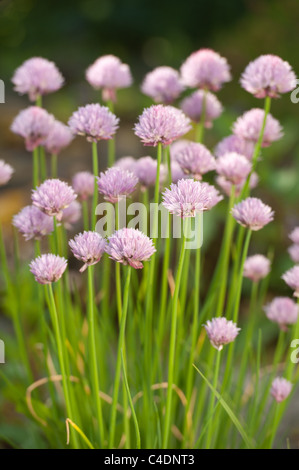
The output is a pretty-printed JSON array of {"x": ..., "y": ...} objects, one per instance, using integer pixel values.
[
  {"x": 48, "y": 268},
  {"x": 193, "y": 107},
  {"x": 130, "y": 246},
  {"x": 126, "y": 163},
  {"x": 116, "y": 183},
  {"x": 58, "y": 138},
  {"x": 205, "y": 69},
  {"x": 233, "y": 167},
  {"x": 88, "y": 247},
  {"x": 280, "y": 389},
  {"x": 226, "y": 185},
  {"x": 268, "y": 75},
  {"x": 187, "y": 197},
  {"x": 83, "y": 184},
  {"x": 176, "y": 172},
  {"x": 294, "y": 253},
  {"x": 294, "y": 235},
  {"x": 33, "y": 223},
  {"x": 177, "y": 147},
  {"x": 71, "y": 215},
  {"x": 220, "y": 331},
  {"x": 161, "y": 124},
  {"x": 291, "y": 278},
  {"x": 249, "y": 125},
  {"x": 146, "y": 171},
  {"x": 34, "y": 125},
  {"x": 163, "y": 84},
  {"x": 37, "y": 76},
  {"x": 252, "y": 213},
  {"x": 283, "y": 311},
  {"x": 256, "y": 267},
  {"x": 196, "y": 160},
  {"x": 53, "y": 196},
  {"x": 94, "y": 121},
  {"x": 234, "y": 143},
  {"x": 109, "y": 74},
  {"x": 6, "y": 172}
]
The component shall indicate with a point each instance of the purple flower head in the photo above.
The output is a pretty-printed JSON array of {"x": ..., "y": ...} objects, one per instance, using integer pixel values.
[
  {"x": 177, "y": 172},
  {"x": 192, "y": 107},
  {"x": 177, "y": 147},
  {"x": 130, "y": 246},
  {"x": 205, "y": 69},
  {"x": 187, "y": 197},
  {"x": 53, "y": 196},
  {"x": 58, "y": 138},
  {"x": 226, "y": 185},
  {"x": 283, "y": 311},
  {"x": 48, "y": 268},
  {"x": 221, "y": 331},
  {"x": 233, "y": 167},
  {"x": 83, "y": 184},
  {"x": 116, "y": 183},
  {"x": 280, "y": 389},
  {"x": 294, "y": 253},
  {"x": 71, "y": 215},
  {"x": 252, "y": 213},
  {"x": 163, "y": 84},
  {"x": 6, "y": 172},
  {"x": 146, "y": 171},
  {"x": 109, "y": 73},
  {"x": 291, "y": 278},
  {"x": 161, "y": 124},
  {"x": 126, "y": 163},
  {"x": 94, "y": 121},
  {"x": 249, "y": 125},
  {"x": 195, "y": 159},
  {"x": 294, "y": 235},
  {"x": 33, "y": 223},
  {"x": 37, "y": 76},
  {"x": 88, "y": 247},
  {"x": 234, "y": 143},
  {"x": 268, "y": 75},
  {"x": 256, "y": 267},
  {"x": 34, "y": 125}
]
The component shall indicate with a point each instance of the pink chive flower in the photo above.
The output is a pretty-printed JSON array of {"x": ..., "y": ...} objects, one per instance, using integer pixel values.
[
  {"x": 48, "y": 268},
  {"x": 256, "y": 267},
  {"x": 161, "y": 124},
  {"x": 32, "y": 223},
  {"x": 37, "y": 77},
  {"x": 130, "y": 246},
  {"x": 249, "y": 125},
  {"x": 291, "y": 278},
  {"x": 53, "y": 196},
  {"x": 187, "y": 197},
  {"x": 195, "y": 159},
  {"x": 146, "y": 171},
  {"x": 6, "y": 172},
  {"x": 109, "y": 74},
  {"x": 177, "y": 147},
  {"x": 177, "y": 172},
  {"x": 226, "y": 185},
  {"x": 88, "y": 247},
  {"x": 280, "y": 389},
  {"x": 220, "y": 331},
  {"x": 33, "y": 124},
  {"x": 71, "y": 215},
  {"x": 94, "y": 121},
  {"x": 234, "y": 143},
  {"x": 283, "y": 311},
  {"x": 83, "y": 184},
  {"x": 205, "y": 69},
  {"x": 294, "y": 235},
  {"x": 268, "y": 75},
  {"x": 163, "y": 84},
  {"x": 234, "y": 167},
  {"x": 126, "y": 163},
  {"x": 252, "y": 213},
  {"x": 192, "y": 107},
  {"x": 116, "y": 183},
  {"x": 294, "y": 253},
  {"x": 58, "y": 138}
]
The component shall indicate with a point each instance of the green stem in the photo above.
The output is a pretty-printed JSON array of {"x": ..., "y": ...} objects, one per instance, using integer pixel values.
[
  {"x": 85, "y": 215},
  {"x": 111, "y": 142},
  {"x": 212, "y": 401},
  {"x": 138, "y": 443},
  {"x": 35, "y": 174},
  {"x": 274, "y": 425},
  {"x": 43, "y": 163},
  {"x": 54, "y": 165},
  {"x": 200, "y": 126},
  {"x": 95, "y": 166}
]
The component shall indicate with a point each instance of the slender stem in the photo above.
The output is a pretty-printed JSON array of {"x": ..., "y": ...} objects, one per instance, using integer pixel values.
[
  {"x": 43, "y": 163},
  {"x": 138, "y": 443},
  {"x": 54, "y": 165},
  {"x": 121, "y": 344},
  {"x": 93, "y": 354},
  {"x": 274, "y": 425},
  {"x": 95, "y": 165},
  {"x": 200, "y": 126},
  {"x": 212, "y": 401},
  {"x": 85, "y": 215},
  {"x": 172, "y": 345},
  {"x": 167, "y": 149},
  {"x": 38, "y": 101},
  {"x": 111, "y": 142},
  {"x": 35, "y": 174}
]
